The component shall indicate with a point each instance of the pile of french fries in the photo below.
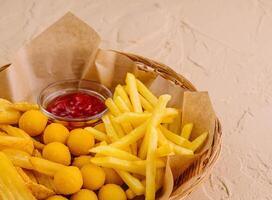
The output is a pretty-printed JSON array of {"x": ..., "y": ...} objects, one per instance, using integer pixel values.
[{"x": 134, "y": 139}]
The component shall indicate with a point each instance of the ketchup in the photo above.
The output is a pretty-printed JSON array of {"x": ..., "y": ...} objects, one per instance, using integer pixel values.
[{"x": 76, "y": 105}]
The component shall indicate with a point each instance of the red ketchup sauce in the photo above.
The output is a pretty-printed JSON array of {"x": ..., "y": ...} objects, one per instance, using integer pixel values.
[{"x": 76, "y": 105}]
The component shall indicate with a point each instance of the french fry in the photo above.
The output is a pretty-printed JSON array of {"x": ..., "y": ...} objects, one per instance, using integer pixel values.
[
  {"x": 145, "y": 104},
  {"x": 175, "y": 138},
  {"x": 150, "y": 190},
  {"x": 43, "y": 179},
  {"x": 14, "y": 131},
  {"x": 9, "y": 116},
  {"x": 98, "y": 135},
  {"x": 133, "y": 93},
  {"x": 116, "y": 163},
  {"x": 146, "y": 93},
  {"x": 199, "y": 141},
  {"x": 164, "y": 150},
  {"x": 12, "y": 185},
  {"x": 112, "y": 107},
  {"x": 114, "y": 152},
  {"x": 120, "y": 91},
  {"x": 38, "y": 190},
  {"x": 112, "y": 135},
  {"x": 155, "y": 119},
  {"x": 133, "y": 183},
  {"x": 37, "y": 144},
  {"x": 16, "y": 143},
  {"x": 25, "y": 106},
  {"x": 45, "y": 166},
  {"x": 18, "y": 158},
  {"x": 132, "y": 117},
  {"x": 117, "y": 127},
  {"x": 120, "y": 103},
  {"x": 187, "y": 130},
  {"x": 130, "y": 138},
  {"x": 182, "y": 151}
]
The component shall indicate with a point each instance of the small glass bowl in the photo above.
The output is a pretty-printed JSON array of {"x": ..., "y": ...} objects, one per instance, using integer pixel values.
[{"x": 70, "y": 86}]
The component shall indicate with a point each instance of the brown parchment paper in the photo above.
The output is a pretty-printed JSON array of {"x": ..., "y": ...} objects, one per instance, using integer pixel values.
[{"x": 68, "y": 49}]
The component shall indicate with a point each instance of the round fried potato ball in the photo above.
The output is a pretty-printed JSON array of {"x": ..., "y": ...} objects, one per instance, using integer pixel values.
[
  {"x": 93, "y": 176},
  {"x": 55, "y": 133},
  {"x": 80, "y": 142},
  {"x": 57, "y": 197},
  {"x": 57, "y": 152},
  {"x": 81, "y": 160},
  {"x": 112, "y": 176},
  {"x": 112, "y": 192},
  {"x": 33, "y": 122},
  {"x": 68, "y": 180},
  {"x": 84, "y": 194}
]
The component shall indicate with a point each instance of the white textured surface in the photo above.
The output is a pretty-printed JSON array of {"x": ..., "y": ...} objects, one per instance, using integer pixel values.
[{"x": 224, "y": 47}]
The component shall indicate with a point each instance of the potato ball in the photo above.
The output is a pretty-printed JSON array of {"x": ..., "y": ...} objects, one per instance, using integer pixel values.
[
  {"x": 55, "y": 133},
  {"x": 81, "y": 160},
  {"x": 84, "y": 194},
  {"x": 112, "y": 176},
  {"x": 80, "y": 142},
  {"x": 93, "y": 176},
  {"x": 57, "y": 197},
  {"x": 112, "y": 192},
  {"x": 33, "y": 122},
  {"x": 57, "y": 152},
  {"x": 68, "y": 180}
]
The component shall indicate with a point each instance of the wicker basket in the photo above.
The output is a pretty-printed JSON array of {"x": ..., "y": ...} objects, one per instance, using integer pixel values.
[{"x": 200, "y": 169}]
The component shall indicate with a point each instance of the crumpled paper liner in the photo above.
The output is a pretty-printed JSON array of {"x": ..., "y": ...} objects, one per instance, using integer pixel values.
[{"x": 68, "y": 49}]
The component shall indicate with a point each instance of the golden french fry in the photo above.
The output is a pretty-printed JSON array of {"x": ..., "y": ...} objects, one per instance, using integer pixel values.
[
  {"x": 45, "y": 166},
  {"x": 187, "y": 130},
  {"x": 14, "y": 131},
  {"x": 120, "y": 91},
  {"x": 155, "y": 119},
  {"x": 133, "y": 93},
  {"x": 18, "y": 158},
  {"x": 112, "y": 107},
  {"x": 25, "y": 106},
  {"x": 164, "y": 150},
  {"x": 98, "y": 135},
  {"x": 132, "y": 117},
  {"x": 38, "y": 190},
  {"x": 175, "y": 138},
  {"x": 133, "y": 183},
  {"x": 37, "y": 144},
  {"x": 199, "y": 141},
  {"x": 115, "y": 163},
  {"x": 130, "y": 138},
  {"x": 145, "y": 104},
  {"x": 12, "y": 185},
  {"x": 16, "y": 143},
  {"x": 114, "y": 152},
  {"x": 31, "y": 175},
  {"x": 117, "y": 127},
  {"x": 43, "y": 179},
  {"x": 146, "y": 93},
  {"x": 120, "y": 103},
  {"x": 112, "y": 135},
  {"x": 182, "y": 151},
  {"x": 9, "y": 116},
  {"x": 100, "y": 127},
  {"x": 150, "y": 190}
]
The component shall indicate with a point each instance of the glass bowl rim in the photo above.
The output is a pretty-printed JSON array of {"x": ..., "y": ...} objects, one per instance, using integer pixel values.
[{"x": 66, "y": 119}]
